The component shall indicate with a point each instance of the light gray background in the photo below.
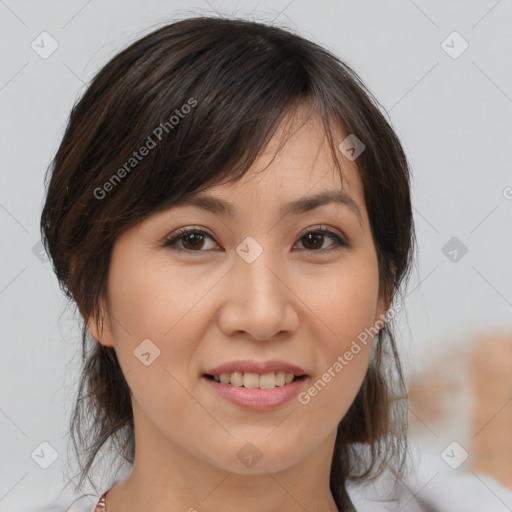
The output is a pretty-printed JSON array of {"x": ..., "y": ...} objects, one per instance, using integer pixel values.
[{"x": 453, "y": 116}]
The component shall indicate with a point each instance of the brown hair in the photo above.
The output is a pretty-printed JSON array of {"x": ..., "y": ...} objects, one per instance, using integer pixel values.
[{"x": 239, "y": 79}]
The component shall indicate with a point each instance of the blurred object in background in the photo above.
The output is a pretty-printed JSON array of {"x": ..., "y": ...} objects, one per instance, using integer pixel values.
[
  {"x": 466, "y": 397},
  {"x": 491, "y": 379}
]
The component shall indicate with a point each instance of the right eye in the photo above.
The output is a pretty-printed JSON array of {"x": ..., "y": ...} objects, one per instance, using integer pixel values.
[{"x": 192, "y": 237}]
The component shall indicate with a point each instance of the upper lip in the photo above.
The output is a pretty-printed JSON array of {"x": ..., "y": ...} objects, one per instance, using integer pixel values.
[{"x": 260, "y": 367}]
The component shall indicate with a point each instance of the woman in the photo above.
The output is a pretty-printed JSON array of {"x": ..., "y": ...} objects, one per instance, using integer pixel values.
[{"x": 231, "y": 213}]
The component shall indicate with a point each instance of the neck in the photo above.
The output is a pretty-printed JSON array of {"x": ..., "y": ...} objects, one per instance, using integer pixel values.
[{"x": 165, "y": 477}]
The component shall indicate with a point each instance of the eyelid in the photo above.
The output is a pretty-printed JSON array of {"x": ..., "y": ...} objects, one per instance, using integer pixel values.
[
  {"x": 185, "y": 230},
  {"x": 323, "y": 228}
]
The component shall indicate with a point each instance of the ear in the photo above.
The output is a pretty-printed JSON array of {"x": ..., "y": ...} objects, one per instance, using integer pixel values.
[
  {"x": 102, "y": 333},
  {"x": 383, "y": 305},
  {"x": 384, "y": 302}
]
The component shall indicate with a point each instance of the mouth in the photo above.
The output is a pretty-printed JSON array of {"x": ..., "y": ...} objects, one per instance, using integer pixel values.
[{"x": 251, "y": 380}]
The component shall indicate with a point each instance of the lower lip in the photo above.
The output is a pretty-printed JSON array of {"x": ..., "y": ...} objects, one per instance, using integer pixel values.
[{"x": 256, "y": 399}]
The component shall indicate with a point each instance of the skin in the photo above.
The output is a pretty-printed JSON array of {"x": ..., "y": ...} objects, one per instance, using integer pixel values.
[{"x": 207, "y": 306}]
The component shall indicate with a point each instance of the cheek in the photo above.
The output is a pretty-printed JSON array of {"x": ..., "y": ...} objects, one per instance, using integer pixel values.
[
  {"x": 167, "y": 305},
  {"x": 346, "y": 301},
  {"x": 346, "y": 305},
  {"x": 152, "y": 300}
]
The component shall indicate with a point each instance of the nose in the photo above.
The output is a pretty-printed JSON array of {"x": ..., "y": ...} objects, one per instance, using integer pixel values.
[{"x": 258, "y": 300}]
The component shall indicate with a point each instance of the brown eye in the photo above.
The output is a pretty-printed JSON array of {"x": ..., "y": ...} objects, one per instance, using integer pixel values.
[
  {"x": 192, "y": 240},
  {"x": 314, "y": 239}
]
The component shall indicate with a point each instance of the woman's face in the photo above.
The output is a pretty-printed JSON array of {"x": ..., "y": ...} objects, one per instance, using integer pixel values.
[{"x": 248, "y": 285}]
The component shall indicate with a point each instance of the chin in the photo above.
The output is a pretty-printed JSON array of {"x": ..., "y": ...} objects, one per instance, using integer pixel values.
[{"x": 249, "y": 459}]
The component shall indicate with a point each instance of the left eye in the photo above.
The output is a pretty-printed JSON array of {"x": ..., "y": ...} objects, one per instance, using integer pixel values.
[
  {"x": 193, "y": 240},
  {"x": 313, "y": 235}
]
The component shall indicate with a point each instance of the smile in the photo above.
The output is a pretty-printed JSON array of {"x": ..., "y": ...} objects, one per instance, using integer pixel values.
[
  {"x": 256, "y": 398},
  {"x": 252, "y": 380}
]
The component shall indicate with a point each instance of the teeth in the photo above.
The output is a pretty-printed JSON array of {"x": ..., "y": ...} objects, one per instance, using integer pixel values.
[
  {"x": 236, "y": 378},
  {"x": 251, "y": 380},
  {"x": 254, "y": 380},
  {"x": 268, "y": 381},
  {"x": 281, "y": 378}
]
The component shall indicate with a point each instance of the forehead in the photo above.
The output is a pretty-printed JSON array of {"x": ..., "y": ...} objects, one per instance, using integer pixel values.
[
  {"x": 298, "y": 161},
  {"x": 294, "y": 174}
]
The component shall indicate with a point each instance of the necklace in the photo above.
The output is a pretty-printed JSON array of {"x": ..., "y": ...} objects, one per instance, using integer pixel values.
[{"x": 101, "y": 506}]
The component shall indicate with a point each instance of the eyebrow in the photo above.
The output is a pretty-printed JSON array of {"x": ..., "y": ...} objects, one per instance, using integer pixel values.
[{"x": 305, "y": 204}]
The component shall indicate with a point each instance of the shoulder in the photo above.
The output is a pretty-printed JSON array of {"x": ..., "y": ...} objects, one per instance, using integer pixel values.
[
  {"x": 430, "y": 484},
  {"x": 83, "y": 503}
]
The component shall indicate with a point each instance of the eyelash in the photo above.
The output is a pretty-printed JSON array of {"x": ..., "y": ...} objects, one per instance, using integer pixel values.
[{"x": 171, "y": 242}]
